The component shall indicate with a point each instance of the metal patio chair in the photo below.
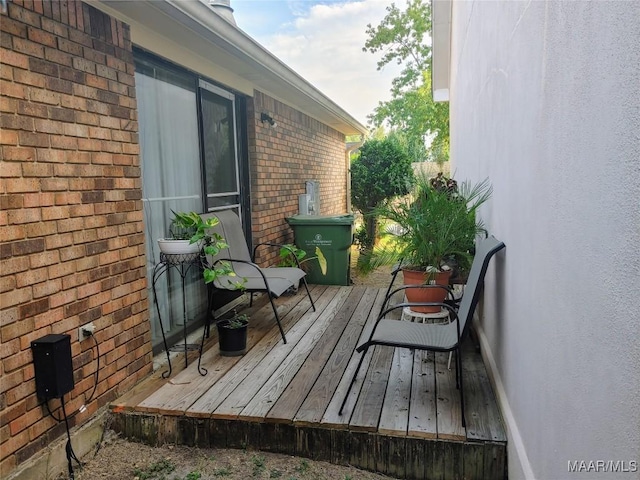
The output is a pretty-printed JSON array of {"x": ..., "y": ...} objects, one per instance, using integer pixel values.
[
  {"x": 273, "y": 281},
  {"x": 429, "y": 336}
]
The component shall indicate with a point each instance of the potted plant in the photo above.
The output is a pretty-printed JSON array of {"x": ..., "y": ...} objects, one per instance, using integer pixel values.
[
  {"x": 181, "y": 229},
  {"x": 439, "y": 225},
  {"x": 232, "y": 335},
  {"x": 188, "y": 228}
]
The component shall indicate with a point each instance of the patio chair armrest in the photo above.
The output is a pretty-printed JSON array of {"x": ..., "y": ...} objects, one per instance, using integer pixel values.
[
  {"x": 390, "y": 293},
  {"x": 452, "y": 311},
  {"x": 237, "y": 260},
  {"x": 277, "y": 245}
]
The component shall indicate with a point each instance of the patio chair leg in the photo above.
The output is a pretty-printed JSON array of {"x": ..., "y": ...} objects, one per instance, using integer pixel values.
[
  {"x": 457, "y": 371},
  {"x": 275, "y": 311},
  {"x": 306, "y": 287},
  {"x": 459, "y": 362},
  {"x": 353, "y": 380}
]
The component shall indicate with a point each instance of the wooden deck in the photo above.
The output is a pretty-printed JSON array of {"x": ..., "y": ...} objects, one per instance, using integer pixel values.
[{"x": 402, "y": 417}]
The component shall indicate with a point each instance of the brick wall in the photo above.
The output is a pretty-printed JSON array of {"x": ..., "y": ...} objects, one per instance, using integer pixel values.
[
  {"x": 282, "y": 159},
  {"x": 71, "y": 212}
]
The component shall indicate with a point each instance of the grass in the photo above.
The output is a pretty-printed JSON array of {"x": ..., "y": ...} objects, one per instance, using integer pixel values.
[{"x": 156, "y": 470}]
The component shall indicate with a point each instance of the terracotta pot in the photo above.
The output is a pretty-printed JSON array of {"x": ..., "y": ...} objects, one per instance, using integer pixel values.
[{"x": 433, "y": 295}]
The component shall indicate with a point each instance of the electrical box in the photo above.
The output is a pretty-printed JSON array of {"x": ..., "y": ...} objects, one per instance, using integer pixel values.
[
  {"x": 52, "y": 364},
  {"x": 313, "y": 191}
]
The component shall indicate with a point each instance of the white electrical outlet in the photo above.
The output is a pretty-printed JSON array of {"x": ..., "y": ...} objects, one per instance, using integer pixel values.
[{"x": 85, "y": 331}]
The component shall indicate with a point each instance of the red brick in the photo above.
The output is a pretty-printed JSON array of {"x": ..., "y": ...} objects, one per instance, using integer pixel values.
[
  {"x": 37, "y": 199},
  {"x": 11, "y": 170},
  {"x": 36, "y": 170},
  {"x": 16, "y": 153},
  {"x": 28, "y": 47},
  {"x": 11, "y": 89},
  {"x": 65, "y": 143},
  {"x": 45, "y": 96},
  {"x": 8, "y": 105},
  {"x": 58, "y": 241},
  {"x": 22, "y": 185},
  {"x": 8, "y": 333},
  {"x": 54, "y": 184},
  {"x": 16, "y": 59},
  {"x": 14, "y": 362}
]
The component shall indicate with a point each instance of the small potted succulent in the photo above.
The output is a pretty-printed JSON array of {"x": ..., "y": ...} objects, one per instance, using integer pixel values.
[{"x": 232, "y": 335}]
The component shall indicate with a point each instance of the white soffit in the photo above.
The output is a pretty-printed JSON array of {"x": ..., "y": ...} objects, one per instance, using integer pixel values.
[
  {"x": 190, "y": 25},
  {"x": 441, "y": 53}
]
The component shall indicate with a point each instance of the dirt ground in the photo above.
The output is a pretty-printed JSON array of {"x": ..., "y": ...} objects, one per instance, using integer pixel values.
[{"x": 118, "y": 459}]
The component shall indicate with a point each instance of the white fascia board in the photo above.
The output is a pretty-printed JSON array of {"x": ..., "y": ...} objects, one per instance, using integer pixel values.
[
  {"x": 441, "y": 49},
  {"x": 234, "y": 51}
]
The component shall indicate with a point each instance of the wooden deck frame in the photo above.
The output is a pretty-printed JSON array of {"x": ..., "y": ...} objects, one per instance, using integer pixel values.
[{"x": 402, "y": 418}]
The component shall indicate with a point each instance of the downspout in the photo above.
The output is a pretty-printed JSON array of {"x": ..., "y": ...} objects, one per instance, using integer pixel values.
[{"x": 350, "y": 147}]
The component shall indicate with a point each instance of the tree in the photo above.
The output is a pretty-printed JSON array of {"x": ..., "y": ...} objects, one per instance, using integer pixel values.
[
  {"x": 381, "y": 171},
  {"x": 401, "y": 39}
]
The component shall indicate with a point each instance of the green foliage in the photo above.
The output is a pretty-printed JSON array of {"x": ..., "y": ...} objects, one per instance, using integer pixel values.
[
  {"x": 195, "y": 475},
  {"x": 401, "y": 38},
  {"x": 222, "y": 472},
  {"x": 258, "y": 464},
  {"x": 289, "y": 251},
  {"x": 381, "y": 171},
  {"x": 155, "y": 470},
  {"x": 238, "y": 320},
  {"x": 304, "y": 466},
  {"x": 438, "y": 223},
  {"x": 213, "y": 243}
]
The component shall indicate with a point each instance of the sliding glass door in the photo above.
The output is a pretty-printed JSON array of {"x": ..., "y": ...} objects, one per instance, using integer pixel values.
[{"x": 189, "y": 150}]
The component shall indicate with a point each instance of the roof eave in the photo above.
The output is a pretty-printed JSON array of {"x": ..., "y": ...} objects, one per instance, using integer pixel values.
[{"x": 261, "y": 67}]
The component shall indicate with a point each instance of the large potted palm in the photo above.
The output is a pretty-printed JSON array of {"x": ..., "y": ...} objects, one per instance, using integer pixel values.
[{"x": 438, "y": 226}]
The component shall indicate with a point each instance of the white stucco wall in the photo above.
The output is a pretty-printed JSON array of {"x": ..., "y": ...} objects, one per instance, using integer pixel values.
[{"x": 545, "y": 101}]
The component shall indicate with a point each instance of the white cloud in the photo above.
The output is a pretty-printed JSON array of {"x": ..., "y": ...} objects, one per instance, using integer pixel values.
[{"x": 324, "y": 45}]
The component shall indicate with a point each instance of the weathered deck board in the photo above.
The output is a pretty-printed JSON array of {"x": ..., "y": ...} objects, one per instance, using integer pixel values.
[
  {"x": 317, "y": 401},
  {"x": 402, "y": 417},
  {"x": 447, "y": 400},
  {"x": 366, "y": 413},
  {"x": 218, "y": 392},
  {"x": 394, "y": 417},
  {"x": 481, "y": 411},
  {"x": 292, "y": 398},
  {"x": 331, "y": 416},
  {"x": 422, "y": 409},
  {"x": 270, "y": 371},
  {"x": 173, "y": 398}
]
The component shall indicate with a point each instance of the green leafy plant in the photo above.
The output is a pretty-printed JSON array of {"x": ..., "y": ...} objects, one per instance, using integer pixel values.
[
  {"x": 238, "y": 320},
  {"x": 289, "y": 251},
  {"x": 438, "y": 222},
  {"x": 212, "y": 242}
]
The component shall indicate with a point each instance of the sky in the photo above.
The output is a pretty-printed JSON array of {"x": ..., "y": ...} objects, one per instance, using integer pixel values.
[{"x": 322, "y": 41}]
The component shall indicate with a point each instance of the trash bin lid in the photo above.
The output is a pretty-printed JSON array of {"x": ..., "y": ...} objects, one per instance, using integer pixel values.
[{"x": 343, "y": 219}]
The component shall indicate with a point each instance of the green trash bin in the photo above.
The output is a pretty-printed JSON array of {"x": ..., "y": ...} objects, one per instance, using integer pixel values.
[{"x": 334, "y": 235}]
